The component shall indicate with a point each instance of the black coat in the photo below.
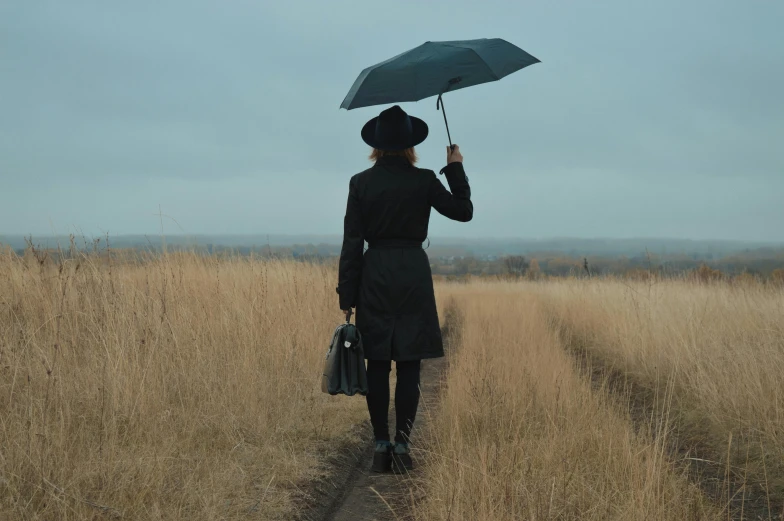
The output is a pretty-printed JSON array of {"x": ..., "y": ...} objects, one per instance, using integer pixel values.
[{"x": 391, "y": 285}]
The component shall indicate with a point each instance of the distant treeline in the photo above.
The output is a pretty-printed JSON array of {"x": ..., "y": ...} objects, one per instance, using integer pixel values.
[
  {"x": 483, "y": 248},
  {"x": 760, "y": 262},
  {"x": 756, "y": 263}
]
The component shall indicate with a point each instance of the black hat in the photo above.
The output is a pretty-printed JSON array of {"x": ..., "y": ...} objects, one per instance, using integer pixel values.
[{"x": 393, "y": 129}]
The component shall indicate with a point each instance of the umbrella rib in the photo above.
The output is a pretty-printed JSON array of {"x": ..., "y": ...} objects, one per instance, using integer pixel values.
[{"x": 492, "y": 72}]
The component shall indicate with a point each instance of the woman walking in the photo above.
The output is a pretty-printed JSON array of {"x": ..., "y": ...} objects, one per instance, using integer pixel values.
[{"x": 391, "y": 285}]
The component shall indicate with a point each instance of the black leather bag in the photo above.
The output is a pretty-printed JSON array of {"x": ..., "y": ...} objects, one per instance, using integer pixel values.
[{"x": 344, "y": 367}]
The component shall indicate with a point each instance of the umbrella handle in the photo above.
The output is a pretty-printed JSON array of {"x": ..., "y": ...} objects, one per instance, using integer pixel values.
[{"x": 440, "y": 106}]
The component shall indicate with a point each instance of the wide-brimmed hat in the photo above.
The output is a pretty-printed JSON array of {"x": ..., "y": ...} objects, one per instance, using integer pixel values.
[{"x": 393, "y": 129}]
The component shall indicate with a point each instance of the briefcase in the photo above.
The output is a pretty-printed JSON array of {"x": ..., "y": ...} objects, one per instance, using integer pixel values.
[{"x": 344, "y": 367}]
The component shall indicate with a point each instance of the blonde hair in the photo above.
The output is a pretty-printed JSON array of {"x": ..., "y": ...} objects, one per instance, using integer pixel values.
[{"x": 409, "y": 154}]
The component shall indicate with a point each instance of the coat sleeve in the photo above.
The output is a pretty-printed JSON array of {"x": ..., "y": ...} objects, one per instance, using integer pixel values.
[
  {"x": 456, "y": 205},
  {"x": 350, "y": 270}
]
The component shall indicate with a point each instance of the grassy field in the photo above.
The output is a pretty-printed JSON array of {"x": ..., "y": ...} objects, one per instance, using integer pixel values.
[
  {"x": 522, "y": 435},
  {"x": 528, "y": 431},
  {"x": 187, "y": 387},
  {"x": 714, "y": 352},
  {"x": 180, "y": 388}
]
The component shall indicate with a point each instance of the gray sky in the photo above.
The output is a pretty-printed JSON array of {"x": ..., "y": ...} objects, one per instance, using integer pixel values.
[{"x": 644, "y": 118}]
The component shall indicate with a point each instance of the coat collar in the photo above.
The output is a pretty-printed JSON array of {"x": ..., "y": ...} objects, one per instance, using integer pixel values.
[{"x": 393, "y": 161}]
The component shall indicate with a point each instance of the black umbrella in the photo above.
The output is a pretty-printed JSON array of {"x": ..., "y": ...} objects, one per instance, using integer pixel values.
[{"x": 433, "y": 69}]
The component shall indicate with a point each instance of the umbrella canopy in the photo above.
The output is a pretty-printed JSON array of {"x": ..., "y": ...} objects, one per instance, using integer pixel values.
[{"x": 434, "y": 68}]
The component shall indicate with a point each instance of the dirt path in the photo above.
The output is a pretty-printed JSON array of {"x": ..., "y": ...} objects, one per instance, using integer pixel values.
[
  {"x": 353, "y": 493},
  {"x": 370, "y": 496}
]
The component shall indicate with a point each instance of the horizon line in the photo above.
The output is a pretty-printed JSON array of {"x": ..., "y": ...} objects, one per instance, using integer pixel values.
[{"x": 436, "y": 237}]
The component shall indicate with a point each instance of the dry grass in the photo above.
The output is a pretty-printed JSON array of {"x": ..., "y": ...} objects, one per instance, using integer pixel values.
[
  {"x": 187, "y": 387},
  {"x": 717, "y": 349},
  {"x": 180, "y": 388},
  {"x": 520, "y": 434}
]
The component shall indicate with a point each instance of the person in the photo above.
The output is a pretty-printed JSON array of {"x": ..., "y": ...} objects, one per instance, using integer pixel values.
[{"x": 391, "y": 285}]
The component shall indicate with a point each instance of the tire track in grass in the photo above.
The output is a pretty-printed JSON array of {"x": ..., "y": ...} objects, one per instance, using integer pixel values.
[
  {"x": 650, "y": 411},
  {"x": 522, "y": 435}
]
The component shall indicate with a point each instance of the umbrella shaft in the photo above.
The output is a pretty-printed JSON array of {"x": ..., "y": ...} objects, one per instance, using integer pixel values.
[{"x": 440, "y": 106}]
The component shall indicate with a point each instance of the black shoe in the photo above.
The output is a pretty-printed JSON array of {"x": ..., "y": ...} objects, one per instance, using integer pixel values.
[
  {"x": 382, "y": 457},
  {"x": 401, "y": 459}
]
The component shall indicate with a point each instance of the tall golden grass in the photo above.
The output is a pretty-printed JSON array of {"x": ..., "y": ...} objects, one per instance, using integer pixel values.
[
  {"x": 187, "y": 387},
  {"x": 716, "y": 349},
  {"x": 177, "y": 387},
  {"x": 520, "y": 434}
]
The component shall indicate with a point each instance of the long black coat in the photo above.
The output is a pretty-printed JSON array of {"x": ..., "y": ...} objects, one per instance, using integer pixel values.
[{"x": 391, "y": 285}]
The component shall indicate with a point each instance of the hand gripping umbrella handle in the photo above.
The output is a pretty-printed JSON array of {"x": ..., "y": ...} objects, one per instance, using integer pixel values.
[{"x": 440, "y": 106}]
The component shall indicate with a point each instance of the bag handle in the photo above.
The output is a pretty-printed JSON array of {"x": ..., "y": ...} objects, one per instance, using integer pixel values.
[{"x": 348, "y": 316}]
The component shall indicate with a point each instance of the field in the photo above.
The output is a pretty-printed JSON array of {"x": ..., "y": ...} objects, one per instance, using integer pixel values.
[
  {"x": 181, "y": 387},
  {"x": 186, "y": 387},
  {"x": 601, "y": 399}
]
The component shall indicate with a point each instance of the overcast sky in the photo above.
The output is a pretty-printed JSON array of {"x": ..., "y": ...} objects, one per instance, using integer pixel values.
[{"x": 644, "y": 118}]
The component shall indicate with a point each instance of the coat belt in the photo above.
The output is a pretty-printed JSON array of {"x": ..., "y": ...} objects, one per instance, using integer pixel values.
[{"x": 394, "y": 244}]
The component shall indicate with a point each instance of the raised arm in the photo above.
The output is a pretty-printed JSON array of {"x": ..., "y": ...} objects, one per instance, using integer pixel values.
[
  {"x": 457, "y": 204},
  {"x": 350, "y": 269}
]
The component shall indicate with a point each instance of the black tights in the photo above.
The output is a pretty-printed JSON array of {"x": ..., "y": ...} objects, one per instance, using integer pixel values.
[{"x": 406, "y": 397}]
